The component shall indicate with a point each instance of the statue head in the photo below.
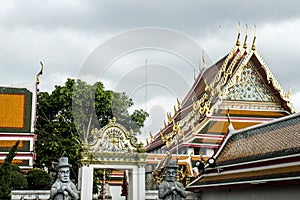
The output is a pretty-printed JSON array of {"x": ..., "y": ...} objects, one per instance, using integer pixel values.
[
  {"x": 63, "y": 169},
  {"x": 171, "y": 170}
]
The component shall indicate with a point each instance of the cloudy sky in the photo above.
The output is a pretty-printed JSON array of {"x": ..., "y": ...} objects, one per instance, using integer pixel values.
[{"x": 70, "y": 36}]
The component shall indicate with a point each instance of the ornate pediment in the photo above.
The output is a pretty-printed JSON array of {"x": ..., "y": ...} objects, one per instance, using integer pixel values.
[
  {"x": 249, "y": 86},
  {"x": 114, "y": 138}
]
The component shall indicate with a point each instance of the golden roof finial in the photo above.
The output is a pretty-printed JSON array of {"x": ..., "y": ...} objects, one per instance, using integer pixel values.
[
  {"x": 237, "y": 43},
  {"x": 175, "y": 111},
  {"x": 169, "y": 117},
  {"x": 245, "y": 41},
  {"x": 206, "y": 85},
  {"x": 288, "y": 94},
  {"x": 178, "y": 104},
  {"x": 151, "y": 137},
  {"x": 37, "y": 77},
  {"x": 165, "y": 123},
  {"x": 253, "y": 43},
  {"x": 162, "y": 136},
  {"x": 175, "y": 126}
]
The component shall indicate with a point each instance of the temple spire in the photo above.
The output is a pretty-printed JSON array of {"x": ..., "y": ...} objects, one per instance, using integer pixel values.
[
  {"x": 37, "y": 77},
  {"x": 237, "y": 43},
  {"x": 245, "y": 41},
  {"x": 253, "y": 43}
]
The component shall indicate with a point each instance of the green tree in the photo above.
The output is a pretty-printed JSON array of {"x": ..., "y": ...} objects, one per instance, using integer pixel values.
[
  {"x": 67, "y": 116},
  {"x": 38, "y": 179},
  {"x": 11, "y": 176}
]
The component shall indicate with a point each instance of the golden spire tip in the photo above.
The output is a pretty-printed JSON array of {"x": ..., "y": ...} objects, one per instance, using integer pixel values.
[
  {"x": 178, "y": 103},
  {"x": 245, "y": 41},
  {"x": 237, "y": 43},
  {"x": 37, "y": 77},
  {"x": 253, "y": 43}
]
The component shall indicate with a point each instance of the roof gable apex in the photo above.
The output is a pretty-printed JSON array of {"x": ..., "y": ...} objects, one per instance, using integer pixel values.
[
  {"x": 248, "y": 85},
  {"x": 265, "y": 85}
]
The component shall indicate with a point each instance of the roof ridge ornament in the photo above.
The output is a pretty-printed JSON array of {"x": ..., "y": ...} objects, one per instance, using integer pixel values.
[
  {"x": 288, "y": 94},
  {"x": 237, "y": 43},
  {"x": 230, "y": 126},
  {"x": 178, "y": 104},
  {"x": 246, "y": 36},
  {"x": 37, "y": 77},
  {"x": 169, "y": 117},
  {"x": 253, "y": 43}
]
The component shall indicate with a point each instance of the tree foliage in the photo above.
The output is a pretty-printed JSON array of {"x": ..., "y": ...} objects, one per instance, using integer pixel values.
[
  {"x": 11, "y": 176},
  {"x": 67, "y": 116},
  {"x": 38, "y": 179}
]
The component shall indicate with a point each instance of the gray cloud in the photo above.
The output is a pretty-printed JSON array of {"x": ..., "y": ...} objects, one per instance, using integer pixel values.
[{"x": 63, "y": 34}]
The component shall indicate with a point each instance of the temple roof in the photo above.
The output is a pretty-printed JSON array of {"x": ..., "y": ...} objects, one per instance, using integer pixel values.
[
  {"x": 278, "y": 138},
  {"x": 238, "y": 81},
  {"x": 267, "y": 152}
]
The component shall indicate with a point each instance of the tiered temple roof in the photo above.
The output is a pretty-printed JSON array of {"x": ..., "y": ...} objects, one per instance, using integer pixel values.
[{"x": 239, "y": 85}]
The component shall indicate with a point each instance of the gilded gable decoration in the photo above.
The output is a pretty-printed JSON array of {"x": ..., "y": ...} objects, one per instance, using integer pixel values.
[
  {"x": 114, "y": 138},
  {"x": 250, "y": 86}
]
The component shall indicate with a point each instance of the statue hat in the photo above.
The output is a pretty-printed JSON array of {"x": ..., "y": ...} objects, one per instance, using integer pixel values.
[
  {"x": 172, "y": 164},
  {"x": 63, "y": 162}
]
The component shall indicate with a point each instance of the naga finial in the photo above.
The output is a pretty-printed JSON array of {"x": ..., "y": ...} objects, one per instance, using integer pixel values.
[
  {"x": 245, "y": 41},
  {"x": 37, "y": 77},
  {"x": 237, "y": 43},
  {"x": 175, "y": 126},
  {"x": 288, "y": 94},
  {"x": 178, "y": 104},
  {"x": 169, "y": 117},
  {"x": 175, "y": 111},
  {"x": 151, "y": 137},
  {"x": 253, "y": 43}
]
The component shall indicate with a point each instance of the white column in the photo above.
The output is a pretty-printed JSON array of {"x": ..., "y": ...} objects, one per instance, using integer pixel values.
[
  {"x": 135, "y": 180},
  {"x": 86, "y": 182},
  {"x": 137, "y": 183},
  {"x": 132, "y": 185},
  {"x": 141, "y": 182}
]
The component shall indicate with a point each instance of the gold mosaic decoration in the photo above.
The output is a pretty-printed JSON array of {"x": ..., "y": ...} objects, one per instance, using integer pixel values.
[
  {"x": 12, "y": 110},
  {"x": 15, "y": 162},
  {"x": 10, "y": 143},
  {"x": 249, "y": 86}
]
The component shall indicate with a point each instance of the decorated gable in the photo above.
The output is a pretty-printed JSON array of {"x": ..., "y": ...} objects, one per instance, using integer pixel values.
[
  {"x": 113, "y": 138},
  {"x": 250, "y": 87}
]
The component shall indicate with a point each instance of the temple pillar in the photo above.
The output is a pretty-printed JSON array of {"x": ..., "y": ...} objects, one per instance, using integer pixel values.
[
  {"x": 86, "y": 182},
  {"x": 141, "y": 182}
]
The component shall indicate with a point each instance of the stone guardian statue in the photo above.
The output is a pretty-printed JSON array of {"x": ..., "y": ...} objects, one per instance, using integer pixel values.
[
  {"x": 170, "y": 188},
  {"x": 63, "y": 188}
]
